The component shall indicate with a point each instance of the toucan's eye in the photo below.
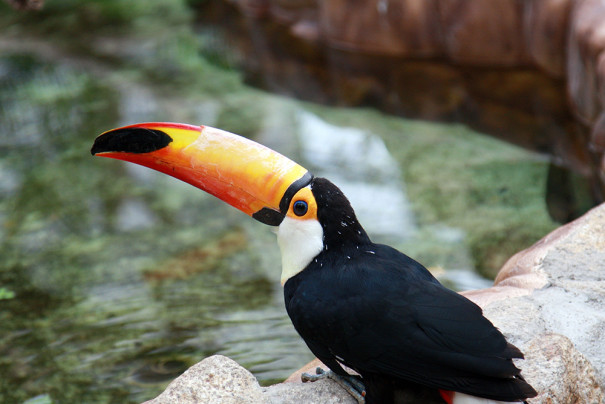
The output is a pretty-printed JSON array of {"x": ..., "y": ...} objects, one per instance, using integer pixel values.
[{"x": 300, "y": 208}]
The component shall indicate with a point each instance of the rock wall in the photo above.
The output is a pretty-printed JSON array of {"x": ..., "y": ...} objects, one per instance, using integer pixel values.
[
  {"x": 498, "y": 33},
  {"x": 467, "y": 60},
  {"x": 26, "y": 4}
]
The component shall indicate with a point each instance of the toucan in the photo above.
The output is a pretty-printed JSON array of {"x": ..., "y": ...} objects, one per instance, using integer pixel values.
[{"x": 356, "y": 304}]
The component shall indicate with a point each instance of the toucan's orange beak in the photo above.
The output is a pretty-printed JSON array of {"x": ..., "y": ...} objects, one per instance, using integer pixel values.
[{"x": 253, "y": 178}]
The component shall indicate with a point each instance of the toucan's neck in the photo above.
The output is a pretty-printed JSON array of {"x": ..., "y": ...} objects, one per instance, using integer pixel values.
[
  {"x": 336, "y": 216},
  {"x": 335, "y": 231},
  {"x": 344, "y": 232}
]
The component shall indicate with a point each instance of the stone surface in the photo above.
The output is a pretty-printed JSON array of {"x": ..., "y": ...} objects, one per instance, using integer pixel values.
[
  {"x": 585, "y": 70},
  {"x": 571, "y": 264},
  {"x": 320, "y": 392},
  {"x": 220, "y": 380},
  {"x": 546, "y": 25},
  {"x": 560, "y": 373},
  {"x": 215, "y": 380},
  {"x": 549, "y": 300}
]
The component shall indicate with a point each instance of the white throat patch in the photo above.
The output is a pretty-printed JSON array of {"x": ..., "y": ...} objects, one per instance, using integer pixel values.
[{"x": 299, "y": 241}]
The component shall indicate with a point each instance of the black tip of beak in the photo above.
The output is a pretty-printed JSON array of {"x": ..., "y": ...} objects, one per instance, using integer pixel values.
[{"x": 131, "y": 140}]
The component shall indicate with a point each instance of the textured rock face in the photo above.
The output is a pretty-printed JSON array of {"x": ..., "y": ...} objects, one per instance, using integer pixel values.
[
  {"x": 560, "y": 373},
  {"x": 563, "y": 280},
  {"x": 219, "y": 380},
  {"x": 216, "y": 379},
  {"x": 549, "y": 300},
  {"x": 531, "y": 72},
  {"x": 495, "y": 33},
  {"x": 323, "y": 391}
]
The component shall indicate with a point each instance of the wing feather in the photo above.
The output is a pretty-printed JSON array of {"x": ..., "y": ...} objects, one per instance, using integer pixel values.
[{"x": 385, "y": 315}]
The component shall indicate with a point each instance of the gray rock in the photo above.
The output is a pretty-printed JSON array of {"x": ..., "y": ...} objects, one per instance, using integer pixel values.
[
  {"x": 549, "y": 300},
  {"x": 220, "y": 380},
  {"x": 320, "y": 392},
  {"x": 560, "y": 373},
  {"x": 215, "y": 380}
]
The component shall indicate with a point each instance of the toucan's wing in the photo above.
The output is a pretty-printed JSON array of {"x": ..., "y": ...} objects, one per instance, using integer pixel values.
[
  {"x": 385, "y": 317},
  {"x": 442, "y": 330}
]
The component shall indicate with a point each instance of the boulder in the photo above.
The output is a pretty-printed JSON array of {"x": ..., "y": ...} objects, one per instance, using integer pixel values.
[
  {"x": 220, "y": 380},
  {"x": 549, "y": 300},
  {"x": 560, "y": 373},
  {"x": 215, "y": 380}
]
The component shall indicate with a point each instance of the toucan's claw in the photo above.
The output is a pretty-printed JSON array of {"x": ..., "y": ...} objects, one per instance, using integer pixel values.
[
  {"x": 319, "y": 374},
  {"x": 350, "y": 383}
]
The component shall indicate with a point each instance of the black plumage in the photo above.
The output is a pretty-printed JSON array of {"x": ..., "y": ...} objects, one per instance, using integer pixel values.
[{"x": 379, "y": 312}]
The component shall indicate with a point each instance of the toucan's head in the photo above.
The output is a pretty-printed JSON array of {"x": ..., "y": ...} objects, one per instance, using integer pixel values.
[{"x": 312, "y": 213}]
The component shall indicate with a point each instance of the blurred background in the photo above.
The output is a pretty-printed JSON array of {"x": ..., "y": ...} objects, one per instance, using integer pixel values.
[{"x": 115, "y": 279}]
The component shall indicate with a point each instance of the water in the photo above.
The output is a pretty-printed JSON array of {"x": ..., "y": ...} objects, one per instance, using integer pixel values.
[{"x": 115, "y": 278}]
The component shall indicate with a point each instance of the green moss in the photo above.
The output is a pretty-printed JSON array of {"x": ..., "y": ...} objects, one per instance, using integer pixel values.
[
  {"x": 161, "y": 46},
  {"x": 242, "y": 114},
  {"x": 6, "y": 293}
]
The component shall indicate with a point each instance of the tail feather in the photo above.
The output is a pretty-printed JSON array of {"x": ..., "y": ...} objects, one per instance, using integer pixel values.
[{"x": 512, "y": 351}]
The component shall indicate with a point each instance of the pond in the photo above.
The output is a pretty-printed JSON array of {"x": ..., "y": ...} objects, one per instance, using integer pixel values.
[{"x": 114, "y": 279}]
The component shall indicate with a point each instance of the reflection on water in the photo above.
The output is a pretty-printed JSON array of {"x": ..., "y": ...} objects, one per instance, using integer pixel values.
[
  {"x": 360, "y": 164},
  {"x": 122, "y": 277}
]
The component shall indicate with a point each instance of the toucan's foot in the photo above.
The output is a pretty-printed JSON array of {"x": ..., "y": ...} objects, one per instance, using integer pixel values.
[{"x": 350, "y": 383}]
